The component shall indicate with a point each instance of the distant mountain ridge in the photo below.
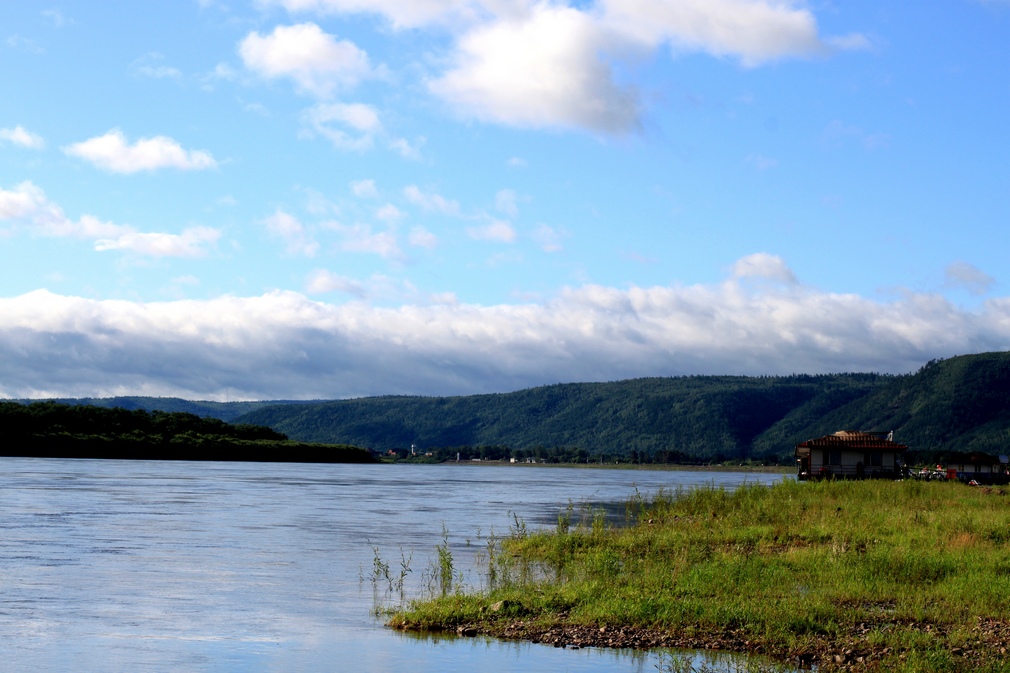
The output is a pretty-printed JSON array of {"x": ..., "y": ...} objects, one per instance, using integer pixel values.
[
  {"x": 697, "y": 417},
  {"x": 958, "y": 404}
]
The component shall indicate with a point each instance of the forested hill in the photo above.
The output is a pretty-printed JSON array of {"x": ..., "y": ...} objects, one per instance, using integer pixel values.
[
  {"x": 701, "y": 417},
  {"x": 958, "y": 404}
]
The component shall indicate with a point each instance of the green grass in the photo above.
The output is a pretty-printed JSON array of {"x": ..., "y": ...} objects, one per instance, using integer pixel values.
[{"x": 910, "y": 576}]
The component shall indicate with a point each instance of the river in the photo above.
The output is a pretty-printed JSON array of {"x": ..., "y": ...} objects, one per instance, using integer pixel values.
[{"x": 198, "y": 567}]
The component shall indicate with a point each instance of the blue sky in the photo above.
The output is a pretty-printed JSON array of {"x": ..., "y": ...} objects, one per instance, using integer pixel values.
[{"x": 249, "y": 199}]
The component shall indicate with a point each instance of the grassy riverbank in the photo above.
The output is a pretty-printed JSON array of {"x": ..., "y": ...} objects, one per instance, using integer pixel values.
[{"x": 877, "y": 576}]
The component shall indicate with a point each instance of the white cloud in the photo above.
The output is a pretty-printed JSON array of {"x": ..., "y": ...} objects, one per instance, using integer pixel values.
[
  {"x": 965, "y": 276},
  {"x": 755, "y": 31},
  {"x": 27, "y": 205},
  {"x": 112, "y": 152},
  {"x": 317, "y": 62},
  {"x": 497, "y": 231},
  {"x": 283, "y": 345},
  {"x": 764, "y": 266},
  {"x": 322, "y": 281},
  {"x": 192, "y": 242},
  {"x": 407, "y": 150},
  {"x": 431, "y": 202},
  {"x": 541, "y": 70},
  {"x": 361, "y": 120},
  {"x": 22, "y": 137},
  {"x": 549, "y": 65},
  {"x": 287, "y": 227}
]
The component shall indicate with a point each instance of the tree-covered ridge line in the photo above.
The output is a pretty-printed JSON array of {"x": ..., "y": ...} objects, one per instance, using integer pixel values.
[
  {"x": 51, "y": 429},
  {"x": 955, "y": 405},
  {"x": 683, "y": 419}
]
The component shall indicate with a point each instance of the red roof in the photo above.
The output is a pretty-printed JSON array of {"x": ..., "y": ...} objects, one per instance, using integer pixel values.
[{"x": 853, "y": 439}]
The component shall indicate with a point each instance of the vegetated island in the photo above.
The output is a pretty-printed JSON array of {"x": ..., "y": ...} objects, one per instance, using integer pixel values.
[
  {"x": 847, "y": 575},
  {"x": 53, "y": 430}
]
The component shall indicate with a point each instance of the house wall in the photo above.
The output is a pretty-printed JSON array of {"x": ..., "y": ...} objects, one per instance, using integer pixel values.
[{"x": 845, "y": 462}]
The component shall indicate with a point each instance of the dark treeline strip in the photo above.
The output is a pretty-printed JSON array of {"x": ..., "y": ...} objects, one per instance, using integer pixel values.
[{"x": 50, "y": 429}]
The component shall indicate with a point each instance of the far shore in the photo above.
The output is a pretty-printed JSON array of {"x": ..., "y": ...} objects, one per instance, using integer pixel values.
[{"x": 669, "y": 467}]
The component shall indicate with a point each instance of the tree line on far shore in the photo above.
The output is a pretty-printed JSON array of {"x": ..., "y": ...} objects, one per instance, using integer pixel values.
[{"x": 51, "y": 429}]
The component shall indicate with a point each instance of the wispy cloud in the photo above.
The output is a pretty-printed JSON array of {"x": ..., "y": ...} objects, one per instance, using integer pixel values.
[
  {"x": 28, "y": 207},
  {"x": 349, "y": 126},
  {"x": 25, "y": 44},
  {"x": 498, "y": 231},
  {"x": 962, "y": 275},
  {"x": 838, "y": 133},
  {"x": 289, "y": 229},
  {"x": 431, "y": 201},
  {"x": 364, "y": 189},
  {"x": 57, "y": 17},
  {"x": 22, "y": 137},
  {"x": 153, "y": 65},
  {"x": 549, "y": 238}
]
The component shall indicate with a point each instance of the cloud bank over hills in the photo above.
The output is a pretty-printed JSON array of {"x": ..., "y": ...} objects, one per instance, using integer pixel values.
[{"x": 284, "y": 345}]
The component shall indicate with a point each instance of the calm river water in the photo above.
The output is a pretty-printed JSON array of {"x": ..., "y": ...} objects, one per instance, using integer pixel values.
[{"x": 174, "y": 566}]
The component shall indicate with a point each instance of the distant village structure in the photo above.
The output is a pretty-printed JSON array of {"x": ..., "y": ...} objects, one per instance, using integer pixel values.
[{"x": 850, "y": 454}]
